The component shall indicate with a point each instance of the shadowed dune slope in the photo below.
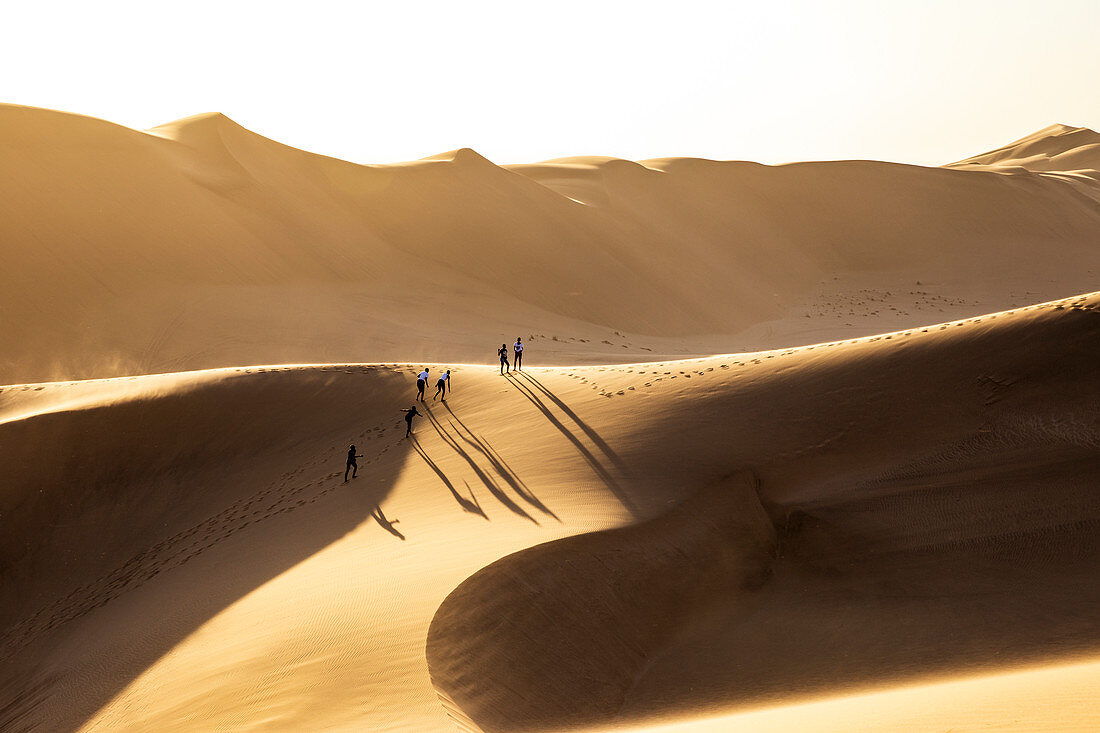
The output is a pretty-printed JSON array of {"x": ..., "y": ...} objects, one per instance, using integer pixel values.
[
  {"x": 111, "y": 487},
  {"x": 914, "y": 505},
  {"x": 200, "y": 244}
]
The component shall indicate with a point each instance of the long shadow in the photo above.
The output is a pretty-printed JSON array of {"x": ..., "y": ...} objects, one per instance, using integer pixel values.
[
  {"x": 592, "y": 461},
  {"x": 505, "y": 471},
  {"x": 386, "y": 524},
  {"x": 196, "y": 487},
  {"x": 490, "y": 484},
  {"x": 592, "y": 434},
  {"x": 471, "y": 506}
]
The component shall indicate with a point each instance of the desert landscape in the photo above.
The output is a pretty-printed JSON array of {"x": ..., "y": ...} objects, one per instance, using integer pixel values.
[{"x": 809, "y": 446}]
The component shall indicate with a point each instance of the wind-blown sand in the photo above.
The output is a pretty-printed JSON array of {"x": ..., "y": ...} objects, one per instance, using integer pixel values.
[
  {"x": 892, "y": 531},
  {"x": 200, "y": 244}
]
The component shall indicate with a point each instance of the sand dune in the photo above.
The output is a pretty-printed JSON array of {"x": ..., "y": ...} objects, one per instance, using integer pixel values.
[
  {"x": 200, "y": 244},
  {"x": 1054, "y": 148},
  {"x": 774, "y": 526},
  {"x": 1055, "y": 698},
  {"x": 847, "y": 519},
  {"x": 935, "y": 510}
]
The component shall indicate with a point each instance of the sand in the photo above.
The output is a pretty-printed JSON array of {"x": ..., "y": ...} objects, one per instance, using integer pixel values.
[
  {"x": 1055, "y": 698},
  {"x": 894, "y": 527},
  {"x": 200, "y": 244}
]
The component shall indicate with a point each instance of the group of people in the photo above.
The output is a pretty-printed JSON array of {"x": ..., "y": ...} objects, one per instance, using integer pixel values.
[
  {"x": 502, "y": 352},
  {"x": 442, "y": 386}
]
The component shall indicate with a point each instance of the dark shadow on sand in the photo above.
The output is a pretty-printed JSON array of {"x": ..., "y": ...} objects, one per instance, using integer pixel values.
[
  {"x": 592, "y": 434},
  {"x": 505, "y": 471},
  {"x": 490, "y": 484},
  {"x": 470, "y": 504},
  {"x": 386, "y": 524},
  {"x": 611, "y": 482},
  {"x": 164, "y": 451}
]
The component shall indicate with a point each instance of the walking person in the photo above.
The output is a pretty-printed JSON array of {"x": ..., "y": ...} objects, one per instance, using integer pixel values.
[
  {"x": 409, "y": 415},
  {"x": 352, "y": 465},
  {"x": 441, "y": 385},
  {"x": 518, "y": 348},
  {"x": 502, "y": 352},
  {"x": 421, "y": 382}
]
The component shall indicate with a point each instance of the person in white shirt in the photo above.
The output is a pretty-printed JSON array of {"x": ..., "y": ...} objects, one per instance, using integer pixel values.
[
  {"x": 518, "y": 347},
  {"x": 441, "y": 385},
  {"x": 421, "y": 382}
]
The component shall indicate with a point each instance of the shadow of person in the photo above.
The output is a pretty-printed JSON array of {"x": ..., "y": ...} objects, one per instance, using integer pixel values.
[
  {"x": 585, "y": 428},
  {"x": 386, "y": 524},
  {"x": 610, "y": 481},
  {"x": 485, "y": 478},
  {"x": 499, "y": 465},
  {"x": 471, "y": 505}
]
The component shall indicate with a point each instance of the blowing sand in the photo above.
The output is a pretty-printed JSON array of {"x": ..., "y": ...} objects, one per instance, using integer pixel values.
[
  {"x": 200, "y": 244},
  {"x": 894, "y": 527}
]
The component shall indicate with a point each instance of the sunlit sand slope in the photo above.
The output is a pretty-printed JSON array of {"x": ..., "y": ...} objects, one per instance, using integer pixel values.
[
  {"x": 1056, "y": 698},
  {"x": 201, "y": 244},
  {"x": 1054, "y": 148},
  {"x": 180, "y": 552},
  {"x": 931, "y": 507}
]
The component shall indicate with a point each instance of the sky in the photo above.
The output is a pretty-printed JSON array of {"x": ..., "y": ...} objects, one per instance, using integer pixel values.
[{"x": 774, "y": 81}]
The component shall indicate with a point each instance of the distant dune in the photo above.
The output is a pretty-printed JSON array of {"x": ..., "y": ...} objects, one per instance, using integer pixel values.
[
  {"x": 867, "y": 501},
  {"x": 199, "y": 244},
  {"x": 1054, "y": 148}
]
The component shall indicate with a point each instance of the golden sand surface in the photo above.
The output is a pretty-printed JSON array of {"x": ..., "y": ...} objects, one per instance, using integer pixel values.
[
  {"x": 891, "y": 528},
  {"x": 200, "y": 244},
  {"x": 1055, "y": 698}
]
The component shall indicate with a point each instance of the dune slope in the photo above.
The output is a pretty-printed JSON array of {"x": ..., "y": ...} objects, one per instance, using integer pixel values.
[
  {"x": 1054, "y": 148},
  {"x": 577, "y": 545},
  {"x": 934, "y": 509}
]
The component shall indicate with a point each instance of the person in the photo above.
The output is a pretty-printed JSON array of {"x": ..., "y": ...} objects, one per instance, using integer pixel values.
[
  {"x": 352, "y": 465},
  {"x": 518, "y": 347},
  {"x": 502, "y": 352},
  {"x": 421, "y": 382},
  {"x": 441, "y": 385},
  {"x": 409, "y": 415}
]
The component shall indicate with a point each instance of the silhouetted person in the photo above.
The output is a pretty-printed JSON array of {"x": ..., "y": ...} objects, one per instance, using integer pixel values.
[
  {"x": 502, "y": 352},
  {"x": 409, "y": 415},
  {"x": 352, "y": 465},
  {"x": 421, "y": 382},
  {"x": 441, "y": 385},
  {"x": 518, "y": 348}
]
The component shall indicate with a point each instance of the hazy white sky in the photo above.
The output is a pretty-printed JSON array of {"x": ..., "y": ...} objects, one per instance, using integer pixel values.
[{"x": 925, "y": 81}]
